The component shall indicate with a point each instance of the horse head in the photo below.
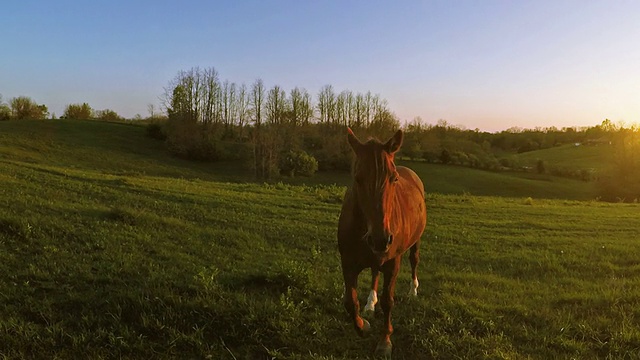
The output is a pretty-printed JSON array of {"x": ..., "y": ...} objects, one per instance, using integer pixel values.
[{"x": 375, "y": 179}]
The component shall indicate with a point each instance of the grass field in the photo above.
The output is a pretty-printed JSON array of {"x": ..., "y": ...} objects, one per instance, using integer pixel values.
[
  {"x": 110, "y": 248},
  {"x": 595, "y": 157}
]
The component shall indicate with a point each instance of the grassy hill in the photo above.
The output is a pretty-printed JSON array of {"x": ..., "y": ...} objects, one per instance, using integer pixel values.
[
  {"x": 121, "y": 149},
  {"x": 596, "y": 157},
  {"x": 110, "y": 248}
]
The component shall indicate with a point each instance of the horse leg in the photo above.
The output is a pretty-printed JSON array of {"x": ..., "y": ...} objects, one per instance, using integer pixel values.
[
  {"x": 373, "y": 295},
  {"x": 351, "y": 303},
  {"x": 390, "y": 270},
  {"x": 414, "y": 257}
]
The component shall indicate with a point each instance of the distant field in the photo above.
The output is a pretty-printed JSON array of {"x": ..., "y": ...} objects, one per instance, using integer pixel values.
[
  {"x": 110, "y": 248},
  {"x": 571, "y": 156}
]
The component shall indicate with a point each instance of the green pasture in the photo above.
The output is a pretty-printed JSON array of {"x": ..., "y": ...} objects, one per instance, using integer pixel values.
[
  {"x": 111, "y": 248},
  {"x": 572, "y": 156}
]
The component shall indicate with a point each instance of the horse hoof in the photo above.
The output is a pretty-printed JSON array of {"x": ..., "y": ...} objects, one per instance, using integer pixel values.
[
  {"x": 365, "y": 326},
  {"x": 363, "y": 329},
  {"x": 413, "y": 290},
  {"x": 384, "y": 349}
]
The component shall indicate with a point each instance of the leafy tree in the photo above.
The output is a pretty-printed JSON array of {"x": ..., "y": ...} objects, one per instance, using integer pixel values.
[
  {"x": 5, "y": 111},
  {"x": 24, "y": 107},
  {"x": 78, "y": 111},
  {"x": 108, "y": 115},
  {"x": 179, "y": 108}
]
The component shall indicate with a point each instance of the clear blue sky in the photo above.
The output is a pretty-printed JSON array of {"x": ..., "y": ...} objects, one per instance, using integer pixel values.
[{"x": 481, "y": 64}]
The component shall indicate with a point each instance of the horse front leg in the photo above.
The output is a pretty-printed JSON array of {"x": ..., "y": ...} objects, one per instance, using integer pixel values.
[
  {"x": 414, "y": 257},
  {"x": 351, "y": 303},
  {"x": 373, "y": 294},
  {"x": 390, "y": 270}
]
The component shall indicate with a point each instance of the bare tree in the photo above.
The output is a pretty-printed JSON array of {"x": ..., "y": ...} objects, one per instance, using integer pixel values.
[
  {"x": 296, "y": 103},
  {"x": 359, "y": 110},
  {"x": 259, "y": 139},
  {"x": 228, "y": 100},
  {"x": 368, "y": 108},
  {"x": 242, "y": 108},
  {"x": 211, "y": 97},
  {"x": 326, "y": 104},
  {"x": 306, "y": 108},
  {"x": 344, "y": 108},
  {"x": 152, "y": 110},
  {"x": 275, "y": 105},
  {"x": 256, "y": 101}
]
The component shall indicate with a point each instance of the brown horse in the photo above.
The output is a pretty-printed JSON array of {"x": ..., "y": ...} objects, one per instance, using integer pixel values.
[{"x": 383, "y": 215}]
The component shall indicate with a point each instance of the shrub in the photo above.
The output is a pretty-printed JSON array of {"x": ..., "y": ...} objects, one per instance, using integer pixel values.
[
  {"x": 445, "y": 156},
  {"x": 474, "y": 161},
  {"x": 430, "y": 156},
  {"x": 155, "y": 130},
  {"x": 331, "y": 159},
  {"x": 205, "y": 149},
  {"x": 298, "y": 163},
  {"x": 587, "y": 174},
  {"x": 505, "y": 162},
  {"x": 460, "y": 158}
]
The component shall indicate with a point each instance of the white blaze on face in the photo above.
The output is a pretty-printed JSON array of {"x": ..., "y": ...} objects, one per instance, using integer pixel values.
[
  {"x": 371, "y": 301},
  {"x": 414, "y": 287}
]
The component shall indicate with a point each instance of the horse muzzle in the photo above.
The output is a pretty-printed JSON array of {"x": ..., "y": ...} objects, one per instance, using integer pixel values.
[{"x": 379, "y": 245}]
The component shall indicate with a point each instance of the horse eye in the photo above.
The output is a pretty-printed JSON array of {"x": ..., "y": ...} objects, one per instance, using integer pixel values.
[{"x": 394, "y": 178}]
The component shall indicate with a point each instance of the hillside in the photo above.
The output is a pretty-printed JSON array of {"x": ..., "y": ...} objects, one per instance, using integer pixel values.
[
  {"x": 121, "y": 149},
  {"x": 595, "y": 157},
  {"x": 106, "y": 147}
]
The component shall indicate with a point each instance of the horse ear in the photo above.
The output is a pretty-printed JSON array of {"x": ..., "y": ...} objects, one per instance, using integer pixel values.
[
  {"x": 394, "y": 143},
  {"x": 353, "y": 140}
]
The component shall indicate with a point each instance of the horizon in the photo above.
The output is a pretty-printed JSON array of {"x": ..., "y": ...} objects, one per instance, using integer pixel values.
[{"x": 490, "y": 66}]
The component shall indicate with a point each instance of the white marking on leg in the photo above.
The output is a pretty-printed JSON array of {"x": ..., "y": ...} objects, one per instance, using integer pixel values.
[
  {"x": 371, "y": 301},
  {"x": 414, "y": 287}
]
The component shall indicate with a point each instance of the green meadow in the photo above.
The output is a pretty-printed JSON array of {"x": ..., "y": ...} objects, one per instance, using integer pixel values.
[
  {"x": 572, "y": 156},
  {"x": 112, "y": 248}
]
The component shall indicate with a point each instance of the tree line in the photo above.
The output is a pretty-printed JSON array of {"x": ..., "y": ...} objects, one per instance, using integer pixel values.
[
  {"x": 24, "y": 108},
  {"x": 200, "y": 96},
  {"x": 274, "y": 132},
  {"x": 211, "y": 119}
]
